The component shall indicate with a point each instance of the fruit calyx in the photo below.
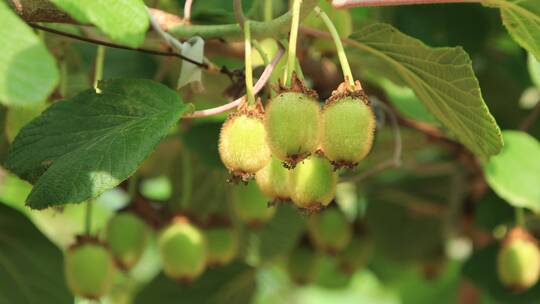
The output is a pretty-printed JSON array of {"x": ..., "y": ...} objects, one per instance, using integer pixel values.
[
  {"x": 297, "y": 86},
  {"x": 344, "y": 90},
  {"x": 518, "y": 233},
  {"x": 84, "y": 239}
]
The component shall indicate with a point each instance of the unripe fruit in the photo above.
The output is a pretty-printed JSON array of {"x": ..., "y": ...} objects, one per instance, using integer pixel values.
[
  {"x": 89, "y": 269},
  {"x": 242, "y": 142},
  {"x": 222, "y": 245},
  {"x": 292, "y": 122},
  {"x": 329, "y": 230},
  {"x": 127, "y": 236},
  {"x": 348, "y": 126},
  {"x": 313, "y": 183},
  {"x": 518, "y": 261},
  {"x": 183, "y": 250},
  {"x": 250, "y": 205},
  {"x": 273, "y": 181},
  {"x": 356, "y": 255},
  {"x": 302, "y": 265}
]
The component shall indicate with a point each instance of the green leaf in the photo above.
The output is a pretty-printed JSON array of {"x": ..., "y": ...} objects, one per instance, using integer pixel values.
[
  {"x": 28, "y": 73},
  {"x": 234, "y": 283},
  {"x": 124, "y": 21},
  {"x": 482, "y": 271},
  {"x": 514, "y": 174},
  {"x": 522, "y": 20},
  {"x": 442, "y": 78},
  {"x": 83, "y": 146},
  {"x": 31, "y": 267}
]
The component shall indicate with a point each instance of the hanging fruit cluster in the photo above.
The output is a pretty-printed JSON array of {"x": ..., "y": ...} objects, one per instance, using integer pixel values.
[{"x": 294, "y": 147}]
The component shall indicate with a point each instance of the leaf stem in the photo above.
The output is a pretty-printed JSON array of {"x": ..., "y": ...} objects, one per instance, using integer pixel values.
[
  {"x": 249, "y": 67},
  {"x": 293, "y": 38},
  {"x": 346, "y": 68},
  {"x": 132, "y": 186},
  {"x": 187, "y": 180},
  {"x": 520, "y": 216},
  {"x": 268, "y": 10},
  {"x": 98, "y": 70},
  {"x": 88, "y": 217},
  {"x": 187, "y": 10}
]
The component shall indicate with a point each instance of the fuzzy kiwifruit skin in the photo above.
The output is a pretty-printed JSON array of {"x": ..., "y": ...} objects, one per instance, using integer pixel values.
[
  {"x": 356, "y": 255},
  {"x": 250, "y": 205},
  {"x": 89, "y": 270},
  {"x": 329, "y": 230},
  {"x": 242, "y": 144},
  {"x": 302, "y": 265},
  {"x": 127, "y": 237},
  {"x": 292, "y": 122},
  {"x": 182, "y": 249},
  {"x": 348, "y": 127},
  {"x": 313, "y": 183},
  {"x": 518, "y": 264},
  {"x": 273, "y": 180},
  {"x": 222, "y": 245}
]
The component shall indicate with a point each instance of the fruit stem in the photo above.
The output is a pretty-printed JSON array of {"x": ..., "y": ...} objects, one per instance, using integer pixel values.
[
  {"x": 187, "y": 180},
  {"x": 249, "y": 68},
  {"x": 261, "y": 51},
  {"x": 268, "y": 10},
  {"x": 132, "y": 186},
  {"x": 88, "y": 218},
  {"x": 347, "y": 73},
  {"x": 520, "y": 217},
  {"x": 98, "y": 70},
  {"x": 293, "y": 37}
]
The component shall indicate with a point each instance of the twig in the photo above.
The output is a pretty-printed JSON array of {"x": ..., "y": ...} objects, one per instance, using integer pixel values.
[
  {"x": 531, "y": 118},
  {"x": 117, "y": 46},
  {"x": 239, "y": 13},
  {"x": 256, "y": 89},
  {"x": 187, "y": 10},
  {"x": 356, "y": 3}
]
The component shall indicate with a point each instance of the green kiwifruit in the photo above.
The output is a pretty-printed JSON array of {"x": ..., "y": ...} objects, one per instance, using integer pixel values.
[
  {"x": 89, "y": 268},
  {"x": 222, "y": 245},
  {"x": 292, "y": 122},
  {"x": 329, "y": 230},
  {"x": 242, "y": 143},
  {"x": 250, "y": 205},
  {"x": 348, "y": 126},
  {"x": 183, "y": 250},
  {"x": 127, "y": 237},
  {"x": 273, "y": 181},
  {"x": 518, "y": 261},
  {"x": 313, "y": 183}
]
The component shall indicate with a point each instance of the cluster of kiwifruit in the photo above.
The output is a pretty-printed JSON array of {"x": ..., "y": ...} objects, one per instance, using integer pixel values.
[
  {"x": 518, "y": 260},
  {"x": 330, "y": 233},
  {"x": 294, "y": 147},
  {"x": 185, "y": 249}
]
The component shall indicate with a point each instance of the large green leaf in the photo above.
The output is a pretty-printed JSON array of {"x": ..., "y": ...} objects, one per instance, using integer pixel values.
[
  {"x": 234, "y": 283},
  {"x": 31, "y": 269},
  {"x": 83, "y": 146},
  {"x": 514, "y": 174},
  {"x": 28, "y": 73},
  {"x": 522, "y": 19},
  {"x": 442, "y": 78},
  {"x": 125, "y": 21}
]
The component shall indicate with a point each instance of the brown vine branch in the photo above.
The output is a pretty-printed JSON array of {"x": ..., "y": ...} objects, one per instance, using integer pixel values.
[
  {"x": 531, "y": 118},
  {"x": 358, "y": 3},
  {"x": 203, "y": 65}
]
